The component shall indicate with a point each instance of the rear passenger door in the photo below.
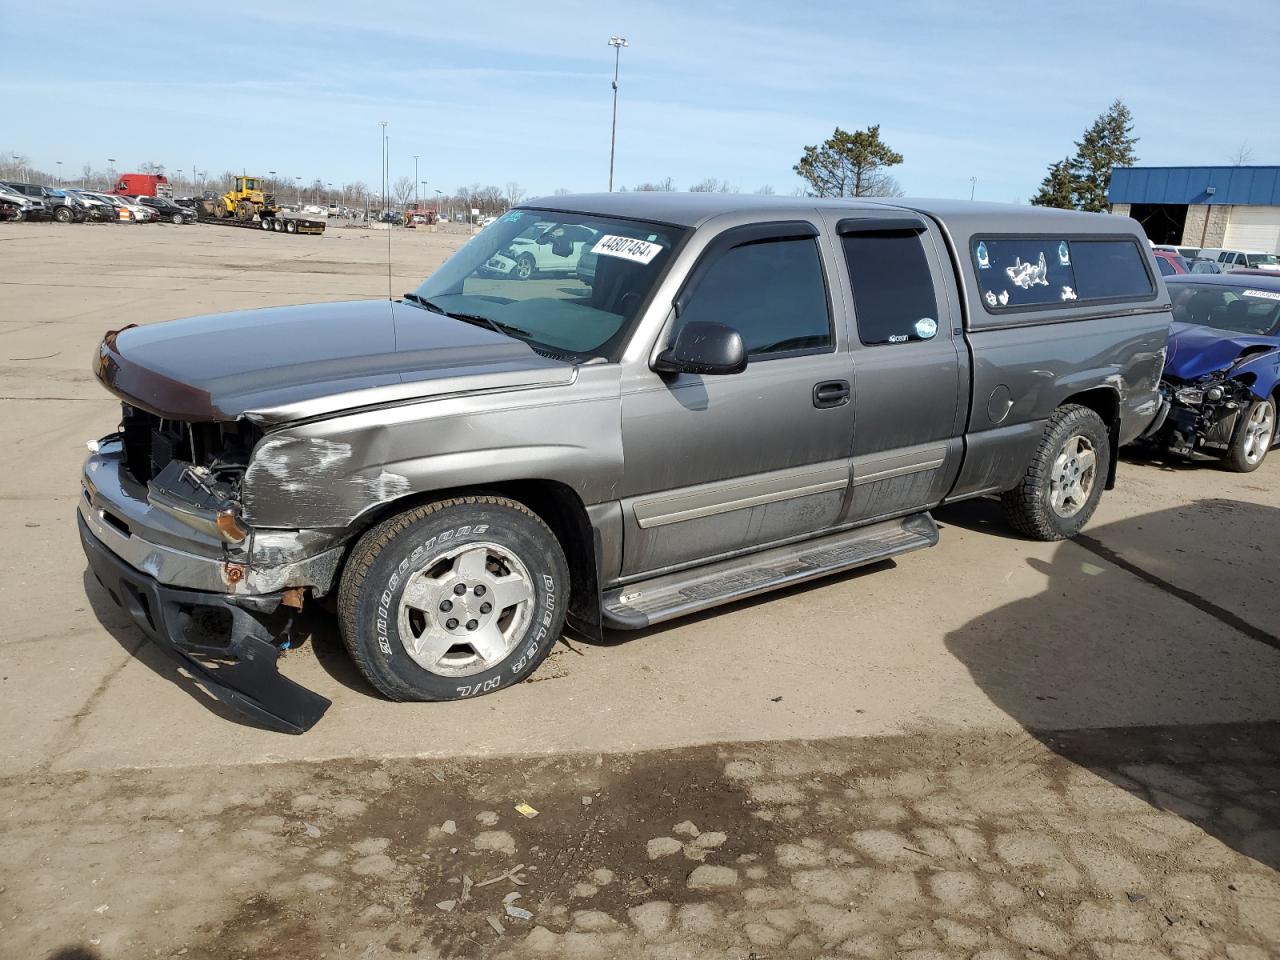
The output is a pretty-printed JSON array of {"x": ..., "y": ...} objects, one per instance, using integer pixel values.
[{"x": 909, "y": 372}]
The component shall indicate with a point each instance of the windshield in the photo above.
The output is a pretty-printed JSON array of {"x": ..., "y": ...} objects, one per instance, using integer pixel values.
[
  {"x": 1236, "y": 309},
  {"x": 565, "y": 282}
]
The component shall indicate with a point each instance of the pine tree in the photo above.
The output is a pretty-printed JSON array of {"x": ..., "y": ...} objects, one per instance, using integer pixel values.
[
  {"x": 1058, "y": 189},
  {"x": 1106, "y": 144},
  {"x": 850, "y": 165}
]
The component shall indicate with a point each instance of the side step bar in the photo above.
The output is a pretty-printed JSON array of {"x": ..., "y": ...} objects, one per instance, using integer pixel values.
[{"x": 642, "y": 604}]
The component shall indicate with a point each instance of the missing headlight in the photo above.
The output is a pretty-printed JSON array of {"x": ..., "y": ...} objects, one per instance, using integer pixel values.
[{"x": 1193, "y": 396}]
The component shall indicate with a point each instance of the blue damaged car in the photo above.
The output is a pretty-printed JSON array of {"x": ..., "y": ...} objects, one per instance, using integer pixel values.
[{"x": 1222, "y": 372}]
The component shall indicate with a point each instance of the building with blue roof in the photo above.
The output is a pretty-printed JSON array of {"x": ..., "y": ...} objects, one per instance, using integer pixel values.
[{"x": 1217, "y": 207}]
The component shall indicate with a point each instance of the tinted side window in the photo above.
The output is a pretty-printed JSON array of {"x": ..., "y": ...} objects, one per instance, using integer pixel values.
[
  {"x": 1021, "y": 272},
  {"x": 773, "y": 293},
  {"x": 1165, "y": 267},
  {"x": 1107, "y": 269},
  {"x": 893, "y": 292}
]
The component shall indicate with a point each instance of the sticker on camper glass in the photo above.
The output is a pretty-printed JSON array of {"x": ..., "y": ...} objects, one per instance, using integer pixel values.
[
  {"x": 1028, "y": 275},
  {"x": 1064, "y": 254},
  {"x": 926, "y": 328},
  {"x": 1068, "y": 293},
  {"x": 1264, "y": 294},
  {"x": 628, "y": 248},
  {"x": 984, "y": 259},
  {"x": 998, "y": 301}
]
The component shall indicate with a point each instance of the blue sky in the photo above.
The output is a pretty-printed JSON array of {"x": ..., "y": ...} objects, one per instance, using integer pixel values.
[{"x": 495, "y": 91}]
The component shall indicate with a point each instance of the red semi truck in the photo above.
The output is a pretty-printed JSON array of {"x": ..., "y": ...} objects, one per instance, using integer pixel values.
[{"x": 143, "y": 185}]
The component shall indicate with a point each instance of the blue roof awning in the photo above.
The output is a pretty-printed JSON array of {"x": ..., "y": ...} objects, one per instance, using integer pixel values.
[{"x": 1251, "y": 186}]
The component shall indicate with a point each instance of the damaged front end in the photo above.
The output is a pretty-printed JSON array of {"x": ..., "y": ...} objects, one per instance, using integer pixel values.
[
  {"x": 1203, "y": 414},
  {"x": 163, "y": 527}
]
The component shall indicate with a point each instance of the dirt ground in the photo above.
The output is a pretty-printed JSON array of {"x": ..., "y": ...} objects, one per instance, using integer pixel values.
[{"x": 994, "y": 748}]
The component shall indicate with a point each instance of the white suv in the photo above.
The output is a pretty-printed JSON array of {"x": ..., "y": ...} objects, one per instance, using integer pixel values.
[{"x": 1239, "y": 259}]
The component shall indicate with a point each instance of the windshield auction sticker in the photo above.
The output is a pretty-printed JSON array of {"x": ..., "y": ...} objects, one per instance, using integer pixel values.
[
  {"x": 1261, "y": 294},
  {"x": 628, "y": 248}
]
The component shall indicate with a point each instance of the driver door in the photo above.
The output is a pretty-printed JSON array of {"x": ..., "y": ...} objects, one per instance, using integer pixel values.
[{"x": 720, "y": 464}]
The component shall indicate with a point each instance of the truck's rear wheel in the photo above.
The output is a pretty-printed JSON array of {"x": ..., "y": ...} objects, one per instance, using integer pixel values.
[
  {"x": 453, "y": 599},
  {"x": 1064, "y": 480}
]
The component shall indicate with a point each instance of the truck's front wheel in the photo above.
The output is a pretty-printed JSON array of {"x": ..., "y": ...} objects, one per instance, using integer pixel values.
[
  {"x": 1064, "y": 480},
  {"x": 453, "y": 599}
]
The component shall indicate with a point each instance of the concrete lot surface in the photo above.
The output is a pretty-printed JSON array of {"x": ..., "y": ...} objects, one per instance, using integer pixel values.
[{"x": 1047, "y": 730}]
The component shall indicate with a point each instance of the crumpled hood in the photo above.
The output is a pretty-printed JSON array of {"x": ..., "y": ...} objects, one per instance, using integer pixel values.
[
  {"x": 1196, "y": 350},
  {"x": 284, "y": 363}
]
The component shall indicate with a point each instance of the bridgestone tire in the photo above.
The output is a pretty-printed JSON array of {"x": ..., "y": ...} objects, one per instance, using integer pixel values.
[
  {"x": 1028, "y": 507},
  {"x": 1237, "y": 457},
  {"x": 383, "y": 562}
]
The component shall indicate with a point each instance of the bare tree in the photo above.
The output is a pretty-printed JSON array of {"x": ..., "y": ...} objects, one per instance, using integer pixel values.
[
  {"x": 712, "y": 185},
  {"x": 402, "y": 190},
  {"x": 562, "y": 191},
  {"x": 151, "y": 167},
  {"x": 515, "y": 193},
  {"x": 766, "y": 190},
  {"x": 491, "y": 198},
  {"x": 1242, "y": 156},
  {"x": 665, "y": 185}
]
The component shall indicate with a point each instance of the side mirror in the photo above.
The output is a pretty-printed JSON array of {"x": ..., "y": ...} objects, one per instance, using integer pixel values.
[{"x": 707, "y": 348}]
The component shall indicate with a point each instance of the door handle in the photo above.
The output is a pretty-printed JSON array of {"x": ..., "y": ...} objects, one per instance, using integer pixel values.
[{"x": 830, "y": 393}]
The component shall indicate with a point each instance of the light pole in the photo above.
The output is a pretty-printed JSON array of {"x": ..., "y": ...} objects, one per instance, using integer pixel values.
[
  {"x": 297, "y": 191},
  {"x": 617, "y": 43},
  {"x": 111, "y": 171},
  {"x": 179, "y": 178},
  {"x": 59, "y": 163},
  {"x": 330, "y": 198},
  {"x": 437, "y": 203},
  {"x": 383, "y": 124},
  {"x": 973, "y": 185},
  {"x": 415, "y": 182}
]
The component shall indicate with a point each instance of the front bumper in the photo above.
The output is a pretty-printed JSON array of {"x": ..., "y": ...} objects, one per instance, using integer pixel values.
[
  {"x": 235, "y": 664},
  {"x": 120, "y": 514}
]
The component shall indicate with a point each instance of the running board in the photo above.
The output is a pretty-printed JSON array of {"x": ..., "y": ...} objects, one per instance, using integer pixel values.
[{"x": 647, "y": 602}]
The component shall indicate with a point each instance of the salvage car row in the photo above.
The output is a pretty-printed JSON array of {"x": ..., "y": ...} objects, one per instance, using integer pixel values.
[{"x": 34, "y": 202}]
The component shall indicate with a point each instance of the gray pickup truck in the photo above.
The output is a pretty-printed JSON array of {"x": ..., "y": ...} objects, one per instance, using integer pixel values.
[{"x": 729, "y": 395}]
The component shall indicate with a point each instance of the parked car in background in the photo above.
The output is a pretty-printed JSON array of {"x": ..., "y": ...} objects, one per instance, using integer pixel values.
[
  {"x": 138, "y": 213},
  {"x": 544, "y": 249},
  {"x": 68, "y": 208},
  {"x": 55, "y": 202},
  {"x": 1203, "y": 265},
  {"x": 1238, "y": 259},
  {"x": 467, "y": 467},
  {"x": 1169, "y": 262},
  {"x": 19, "y": 206},
  {"x": 166, "y": 209},
  {"x": 1222, "y": 372},
  {"x": 99, "y": 210},
  {"x": 1185, "y": 252}
]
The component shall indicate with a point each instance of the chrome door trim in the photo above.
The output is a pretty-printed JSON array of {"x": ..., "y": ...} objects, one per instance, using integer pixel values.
[
  {"x": 877, "y": 466},
  {"x": 723, "y": 497}
]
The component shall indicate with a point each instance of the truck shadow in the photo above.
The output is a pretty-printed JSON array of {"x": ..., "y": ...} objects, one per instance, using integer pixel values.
[{"x": 1139, "y": 663}]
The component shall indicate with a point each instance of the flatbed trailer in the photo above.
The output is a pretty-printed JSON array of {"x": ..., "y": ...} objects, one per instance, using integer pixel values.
[{"x": 276, "y": 224}]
